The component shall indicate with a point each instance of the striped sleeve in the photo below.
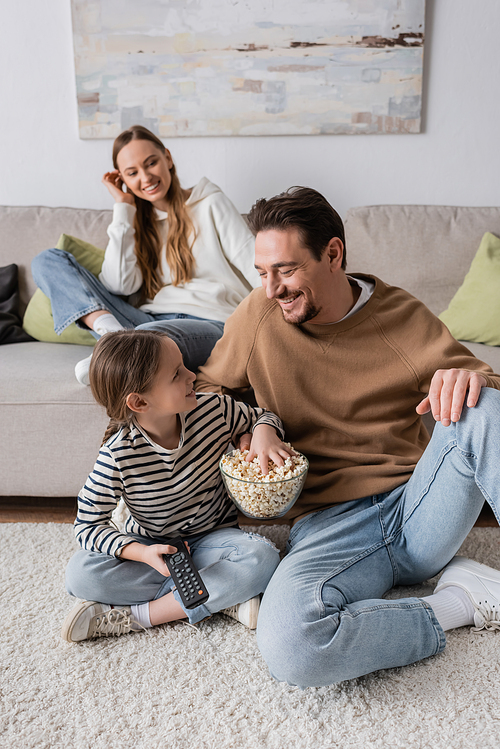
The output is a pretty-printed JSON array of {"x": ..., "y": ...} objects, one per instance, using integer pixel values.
[
  {"x": 240, "y": 417},
  {"x": 96, "y": 502}
]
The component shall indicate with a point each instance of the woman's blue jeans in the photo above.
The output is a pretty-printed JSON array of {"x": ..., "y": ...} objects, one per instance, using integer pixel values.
[
  {"x": 235, "y": 566},
  {"x": 323, "y": 618},
  {"x": 75, "y": 292}
]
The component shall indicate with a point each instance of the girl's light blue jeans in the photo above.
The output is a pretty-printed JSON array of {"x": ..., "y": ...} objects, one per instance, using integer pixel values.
[
  {"x": 235, "y": 566},
  {"x": 75, "y": 292},
  {"x": 323, "y": 618}
]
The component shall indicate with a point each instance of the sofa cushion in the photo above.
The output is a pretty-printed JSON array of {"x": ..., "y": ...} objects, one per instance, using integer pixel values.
[
  {"x": 10, "y": 322},
  {"x": 474, "y": 312},
  {"x": 51, "y": 426},
  {"x": 27, "y": 230},
  {"x": 38, "y": 320},
  {"x": 488, "y": 354},
  {"x": 426, "y": 250}
]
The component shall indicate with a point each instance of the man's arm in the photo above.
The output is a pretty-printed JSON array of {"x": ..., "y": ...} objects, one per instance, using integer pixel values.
[
  {"x": 454, "y": 376},
  {"x": 226, "y": 370},
  {"x": 448, "y": 376}
]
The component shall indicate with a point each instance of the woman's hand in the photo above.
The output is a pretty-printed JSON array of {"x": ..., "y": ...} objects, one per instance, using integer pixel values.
[
  {"x": 114, "y": 183},
  {"x": 266, "y": 444}
]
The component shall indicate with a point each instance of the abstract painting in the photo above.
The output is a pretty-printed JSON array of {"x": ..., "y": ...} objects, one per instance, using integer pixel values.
[{"x": 248, "y": 67}]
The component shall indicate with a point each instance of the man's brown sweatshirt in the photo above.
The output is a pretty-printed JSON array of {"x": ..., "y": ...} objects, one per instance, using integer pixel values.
[{"x": 346, "y": 392}]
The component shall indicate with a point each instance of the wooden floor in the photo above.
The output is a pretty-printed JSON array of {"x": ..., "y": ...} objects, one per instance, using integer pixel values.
[
  {"x": 37, "y": 509},
  {"x": 63, "y": 510}
]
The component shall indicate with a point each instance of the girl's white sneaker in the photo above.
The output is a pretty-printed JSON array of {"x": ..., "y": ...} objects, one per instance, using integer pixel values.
[
  {"x": 247, "y": 612},
  {"x": 89, "y": 619}
]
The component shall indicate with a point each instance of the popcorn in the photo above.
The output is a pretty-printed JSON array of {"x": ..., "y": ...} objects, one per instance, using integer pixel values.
[{"x": 259, "y": 495}]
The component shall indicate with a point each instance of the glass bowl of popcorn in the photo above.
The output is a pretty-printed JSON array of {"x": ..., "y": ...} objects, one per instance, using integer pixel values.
[{"x": 263, "y": 496}]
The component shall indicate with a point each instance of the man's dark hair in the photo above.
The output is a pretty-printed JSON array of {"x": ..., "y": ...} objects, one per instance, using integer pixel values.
[{"x": 304, "y": 209}]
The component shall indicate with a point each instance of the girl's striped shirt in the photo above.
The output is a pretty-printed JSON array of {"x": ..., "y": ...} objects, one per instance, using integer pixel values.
[{"x": 167, "y": 492}]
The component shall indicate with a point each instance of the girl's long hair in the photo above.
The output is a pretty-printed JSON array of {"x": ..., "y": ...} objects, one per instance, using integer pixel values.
[
  {"x": 123, "y": 362},
  {"x": 147, "y": 239}
]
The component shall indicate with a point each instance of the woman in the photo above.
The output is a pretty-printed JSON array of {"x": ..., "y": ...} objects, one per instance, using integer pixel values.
[{"x": 187, "y": 255}]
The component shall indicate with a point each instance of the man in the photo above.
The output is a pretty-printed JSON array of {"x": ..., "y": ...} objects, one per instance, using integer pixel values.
[{"x": 350, "y": 364}]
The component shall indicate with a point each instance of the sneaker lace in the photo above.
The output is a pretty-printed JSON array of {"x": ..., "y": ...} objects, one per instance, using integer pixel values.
[
  {"x": 113, "y": 622},
  {"x": 490, "y": 618},
  {"x": 231, "y": 611}
]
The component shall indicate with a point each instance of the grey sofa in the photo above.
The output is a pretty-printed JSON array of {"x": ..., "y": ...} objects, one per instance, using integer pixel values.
[{"x": 51, "y": 428}]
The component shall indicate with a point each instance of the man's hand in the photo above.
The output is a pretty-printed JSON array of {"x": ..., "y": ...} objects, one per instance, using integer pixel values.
[
  {"x": 266, "y": 444},
  {"x": 447, "y": 394}
]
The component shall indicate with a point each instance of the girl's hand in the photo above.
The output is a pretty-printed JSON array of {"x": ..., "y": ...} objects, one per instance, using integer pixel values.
[
  {"x": 114, "y": 183},
  {"x": 152, "y": 555},
  {"x": 245, "y": 441},
  {"x": 266, "y": 444}
]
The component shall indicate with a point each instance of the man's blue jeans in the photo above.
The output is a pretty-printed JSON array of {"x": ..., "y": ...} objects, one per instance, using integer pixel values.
[
  {"x": 323, "y": 618},
  {"x": 75, "y": 292}
]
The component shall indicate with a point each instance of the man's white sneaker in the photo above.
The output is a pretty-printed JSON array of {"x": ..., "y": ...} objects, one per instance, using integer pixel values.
[
  {"x": 82, "y": 370},
  {"x": 482, "y": 585},
  {"x": 247, "y": 612},
  {"x": 89, "y": 619}
]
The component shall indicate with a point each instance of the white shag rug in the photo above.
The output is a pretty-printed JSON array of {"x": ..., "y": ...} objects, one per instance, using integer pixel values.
[{"x": 175, "y": 687}]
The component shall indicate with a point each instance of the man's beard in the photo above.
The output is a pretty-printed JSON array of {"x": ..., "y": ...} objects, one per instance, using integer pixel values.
[{"x": 308, "y": 312}]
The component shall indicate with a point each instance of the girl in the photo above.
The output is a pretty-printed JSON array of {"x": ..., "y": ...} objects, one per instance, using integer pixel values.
[
  {"x": 160, "y": 454},
  {"x": 187, "y": 254}
]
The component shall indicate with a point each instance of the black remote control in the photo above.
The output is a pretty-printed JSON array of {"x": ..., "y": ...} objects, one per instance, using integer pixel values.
[{"x": 186, "y": 577}]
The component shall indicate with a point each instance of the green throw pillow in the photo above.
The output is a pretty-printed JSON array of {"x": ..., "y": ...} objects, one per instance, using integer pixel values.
[
  {"x": 38, "y": 321},
  {"x": 474, "y": 312}
]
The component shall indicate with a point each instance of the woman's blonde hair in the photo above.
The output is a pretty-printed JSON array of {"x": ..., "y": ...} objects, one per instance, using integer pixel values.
[
  {"x": 147, "y": 239},
  {"x": 123, "y": 362}
]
